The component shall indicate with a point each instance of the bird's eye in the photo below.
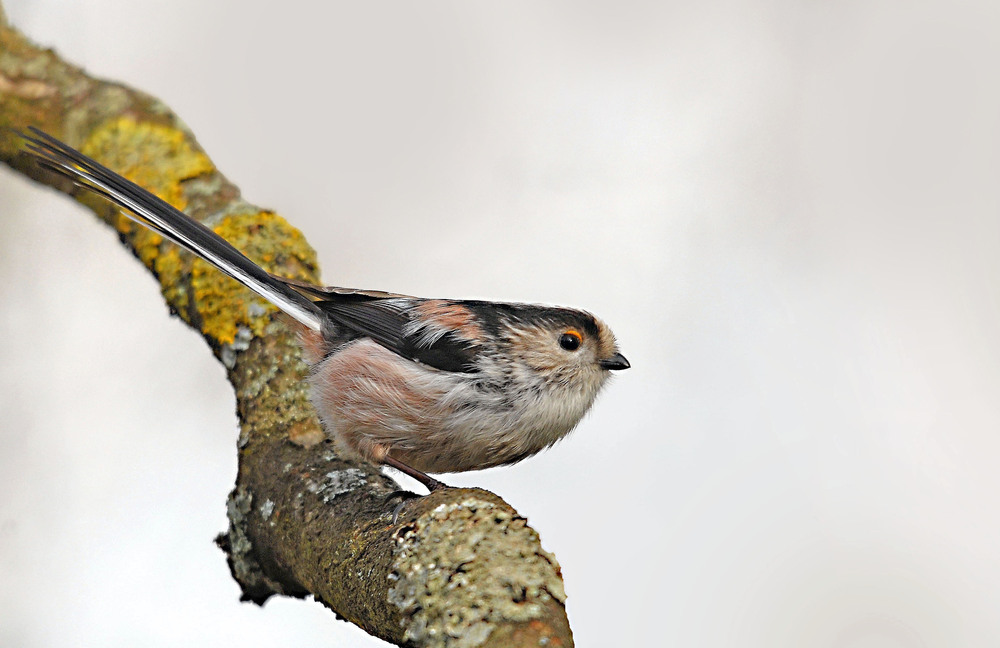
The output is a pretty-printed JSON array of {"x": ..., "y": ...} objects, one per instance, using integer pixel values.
[{"x": 570, "y": 340}]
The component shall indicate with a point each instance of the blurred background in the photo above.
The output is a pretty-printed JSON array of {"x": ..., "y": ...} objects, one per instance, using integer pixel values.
[{"x": 788, "y": 212}]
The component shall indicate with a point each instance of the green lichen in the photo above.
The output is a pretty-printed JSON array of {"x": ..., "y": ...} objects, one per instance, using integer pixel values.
[
  {"x": 337, "y": 482},
  {"x": 254, "y": 581},
  {"x": 271, "y": 393},
  {"x": 463, "y": 568},
  {"x": 241, "y": 549}
]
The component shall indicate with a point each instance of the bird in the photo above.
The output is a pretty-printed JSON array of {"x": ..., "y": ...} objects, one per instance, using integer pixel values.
[{"x": 417, "y": 384}]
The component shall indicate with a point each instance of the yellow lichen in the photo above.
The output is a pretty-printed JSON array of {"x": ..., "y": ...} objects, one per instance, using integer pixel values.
[
  {"x": 224, "y": 305},
  {"x": 151, "y": 155},
  {"x": 158, "y": 158}
]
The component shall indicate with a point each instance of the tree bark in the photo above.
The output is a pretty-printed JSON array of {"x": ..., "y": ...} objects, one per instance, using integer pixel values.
[{"x": 458, "y": 567}]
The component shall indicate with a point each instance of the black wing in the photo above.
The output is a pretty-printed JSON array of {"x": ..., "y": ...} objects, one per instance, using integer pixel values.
[{"x": 387, "y": 321}]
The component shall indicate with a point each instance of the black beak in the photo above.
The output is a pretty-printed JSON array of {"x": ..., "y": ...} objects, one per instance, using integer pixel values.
[{"x": 615, "y": 362}]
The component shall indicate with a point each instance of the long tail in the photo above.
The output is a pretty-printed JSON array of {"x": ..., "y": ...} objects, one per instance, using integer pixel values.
[{"x": 171, "y": 223}]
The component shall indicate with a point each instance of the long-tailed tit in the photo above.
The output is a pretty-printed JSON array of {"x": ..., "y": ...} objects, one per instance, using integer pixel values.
[{"x": 422, "y": 385}]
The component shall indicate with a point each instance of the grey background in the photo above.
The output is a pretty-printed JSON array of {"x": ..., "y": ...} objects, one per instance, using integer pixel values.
[{"x": 787, "y": 211}]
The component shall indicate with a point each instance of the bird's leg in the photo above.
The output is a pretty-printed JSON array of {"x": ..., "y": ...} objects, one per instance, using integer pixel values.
[{"x": 425, "y": 479}]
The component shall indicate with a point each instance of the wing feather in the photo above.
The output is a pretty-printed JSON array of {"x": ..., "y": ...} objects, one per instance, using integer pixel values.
[{"x": 389, "y": 322}]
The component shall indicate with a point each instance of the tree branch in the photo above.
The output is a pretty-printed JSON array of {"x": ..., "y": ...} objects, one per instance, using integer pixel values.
[{"x": 459, "y": 567}]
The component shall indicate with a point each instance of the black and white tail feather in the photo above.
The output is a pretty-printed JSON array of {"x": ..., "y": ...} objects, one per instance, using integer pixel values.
[{"x": 163, "y": 218}]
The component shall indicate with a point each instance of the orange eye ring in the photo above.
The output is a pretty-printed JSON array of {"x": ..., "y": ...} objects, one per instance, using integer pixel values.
[{"x": 571, "y": 340}]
